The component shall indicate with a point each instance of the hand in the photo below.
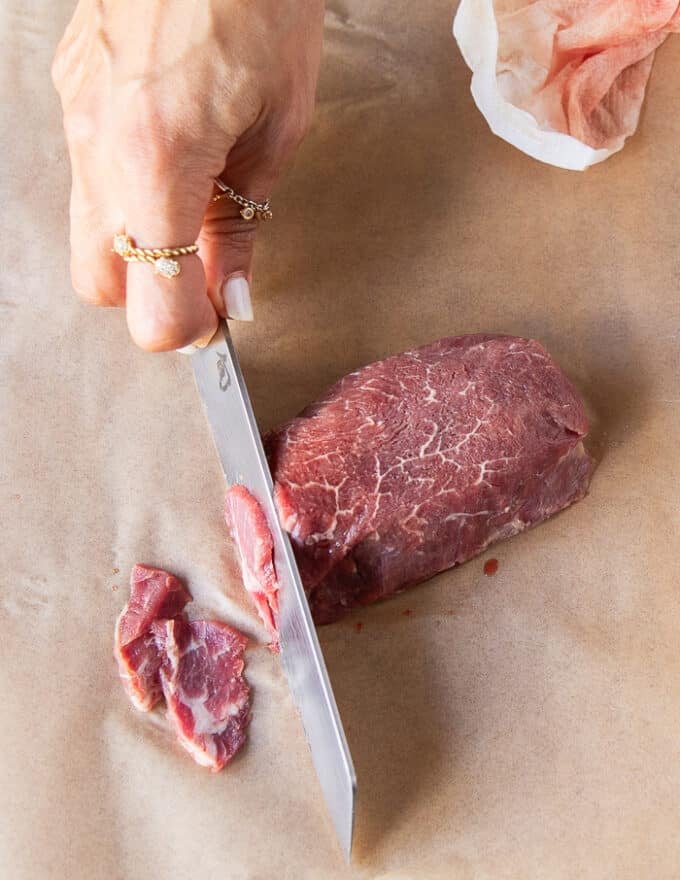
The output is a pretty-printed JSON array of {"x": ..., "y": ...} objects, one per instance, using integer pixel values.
[{"x": 159, "y": 98}]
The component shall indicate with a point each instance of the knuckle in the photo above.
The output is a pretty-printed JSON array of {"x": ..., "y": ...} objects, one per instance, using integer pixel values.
[
  {"x": 144, "y": 151},
  {"x": 149, "y": 138},
  {"x": 158, "y": 146}
]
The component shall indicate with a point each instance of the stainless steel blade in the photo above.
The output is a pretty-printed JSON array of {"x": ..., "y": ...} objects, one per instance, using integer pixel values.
[{"x": 235, "y": 432}]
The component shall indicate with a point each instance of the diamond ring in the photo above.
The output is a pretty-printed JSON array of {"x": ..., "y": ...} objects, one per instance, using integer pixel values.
[{"x": 160, "y": 258}]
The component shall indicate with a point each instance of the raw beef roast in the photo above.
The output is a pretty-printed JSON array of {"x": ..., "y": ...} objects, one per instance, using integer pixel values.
[
  {"x": 195, "y": 665},
  {"x": 417, "y": 463}
]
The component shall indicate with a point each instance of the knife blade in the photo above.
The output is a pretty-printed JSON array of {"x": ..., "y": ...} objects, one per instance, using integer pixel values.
[{"x": 237, "y": 439}]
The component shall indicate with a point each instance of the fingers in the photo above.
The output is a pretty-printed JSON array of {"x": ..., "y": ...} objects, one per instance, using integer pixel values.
[
  {"x": 227, "y": 240},
  {"x": 98, "y": 275},
  {"x": 163, "y": 207},
  {"x": 158, "y": 196},
  {"x": 226, "y": 248}
]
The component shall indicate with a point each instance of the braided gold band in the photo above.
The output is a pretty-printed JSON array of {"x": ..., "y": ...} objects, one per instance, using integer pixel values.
[
  {"x": 125, "y": 247},
  {"x": 249, "y": 208}
]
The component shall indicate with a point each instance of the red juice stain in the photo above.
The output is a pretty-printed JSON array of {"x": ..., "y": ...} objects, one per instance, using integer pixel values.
[
  {"x": 490, "y": 567},
  {"x": 407, "y": 613},
  {"x": 358, "y": 625}
]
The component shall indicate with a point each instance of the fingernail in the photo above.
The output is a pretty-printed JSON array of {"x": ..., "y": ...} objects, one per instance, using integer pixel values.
[
  {"x": 236, "y": 298},
  {"x": 197, "y": 344}
]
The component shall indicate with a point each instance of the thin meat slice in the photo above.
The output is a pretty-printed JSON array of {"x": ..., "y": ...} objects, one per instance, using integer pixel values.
[
  {"x": 196, "y": 665},
  {"x": 138, "y": 667},
  {"x": 247, "y": 523},
  {"x": 154, "y": 593},
  {"x": 204, "y": 688},
  {"x": 417, "y": 463}
]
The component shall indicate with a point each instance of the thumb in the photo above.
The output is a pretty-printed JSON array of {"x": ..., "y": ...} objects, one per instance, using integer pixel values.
[{"x": 226, "y": 246}]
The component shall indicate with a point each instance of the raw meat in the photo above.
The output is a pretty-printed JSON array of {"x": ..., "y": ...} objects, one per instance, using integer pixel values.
[
  {"x": 153, "y": 593},
  {"x": 196, "y": 665},
  {"x": 417, "y": 463},
  {"x": 572, "y": 67},
  {"x": 203, "y": 686},
  {"x": 247, "y": 523}
]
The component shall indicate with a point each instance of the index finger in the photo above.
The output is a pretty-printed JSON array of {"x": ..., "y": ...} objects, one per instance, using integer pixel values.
[{"x": 163, "y": 208}]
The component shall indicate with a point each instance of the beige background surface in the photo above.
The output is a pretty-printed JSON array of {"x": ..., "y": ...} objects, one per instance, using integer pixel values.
[{"x": 520, "y": 726}]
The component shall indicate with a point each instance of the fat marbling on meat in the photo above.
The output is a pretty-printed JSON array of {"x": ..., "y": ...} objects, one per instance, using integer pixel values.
[
  {"x": 248, "y": 524},
  {"x": 154, "y": 594},
  {"x": 207, "y": 697},
  {"x": 196, "y": 666},
  {"x": 414, "y": 464}
]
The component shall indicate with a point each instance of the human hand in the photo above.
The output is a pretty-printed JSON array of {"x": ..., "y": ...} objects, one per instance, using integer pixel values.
[{"x": 159, "y": 98}]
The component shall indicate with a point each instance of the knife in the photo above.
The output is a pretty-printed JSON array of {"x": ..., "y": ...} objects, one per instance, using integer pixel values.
[{"x": 237, "y": 438}]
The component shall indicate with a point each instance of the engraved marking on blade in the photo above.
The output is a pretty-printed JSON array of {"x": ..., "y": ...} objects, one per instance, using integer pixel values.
[{"x": 222, "y": 372}]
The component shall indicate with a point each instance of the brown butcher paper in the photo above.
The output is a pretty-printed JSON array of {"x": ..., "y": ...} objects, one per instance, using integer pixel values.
[{"x": 522, "y": 725}]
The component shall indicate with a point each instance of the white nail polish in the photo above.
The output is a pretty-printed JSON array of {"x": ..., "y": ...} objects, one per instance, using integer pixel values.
[{"x": 236, "y": 298}]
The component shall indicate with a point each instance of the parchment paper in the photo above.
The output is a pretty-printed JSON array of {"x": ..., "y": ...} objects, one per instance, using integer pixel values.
[{"x": 520, "y": 726}]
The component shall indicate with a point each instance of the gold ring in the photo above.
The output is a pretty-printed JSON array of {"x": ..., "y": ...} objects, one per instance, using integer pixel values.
[
  {"x": 125, "y": 247},
  {"x": 249, "y": 208}
]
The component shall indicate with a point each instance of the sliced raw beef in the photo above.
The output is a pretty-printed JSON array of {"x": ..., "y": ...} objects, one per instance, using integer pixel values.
[
  {"x": 246, "y": 521},
  {"x": 196, "y": 665},
  {"x": 417, "y": 463},
  {"x": 153, "y": 593},
  {"x": 203, "y": 686}
]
